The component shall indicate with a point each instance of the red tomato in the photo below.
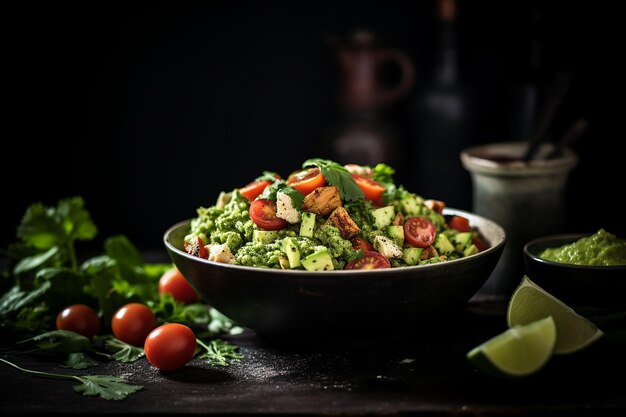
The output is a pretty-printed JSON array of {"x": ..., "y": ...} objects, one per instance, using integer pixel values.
[
  {"x": 372, "y": 190},
  {"x": 202, "y": 252},
  {"x": 79, "y": 318},
  {"x": 419, "y": 232},
  {"x": 252, "y": 190},
  {"x": 173, "y": 282},
  {"x": 170, "y": 346},
  {"x": 361, "y": 244},
  {"x": 307, "y": 180},
  {"x": 480, "y": 244},
  {"x": 460, "y": 223},
  {"x": 370, "y": 260},
  {"x": 263, "y": 214},
  {"x": 132, "y": 323}
]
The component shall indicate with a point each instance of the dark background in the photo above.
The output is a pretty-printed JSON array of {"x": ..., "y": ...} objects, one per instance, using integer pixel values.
[{"x": 148, "y": 110}]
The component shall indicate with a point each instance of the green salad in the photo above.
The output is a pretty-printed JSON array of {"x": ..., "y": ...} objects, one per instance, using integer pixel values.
[{"x": 327, "y": 216}]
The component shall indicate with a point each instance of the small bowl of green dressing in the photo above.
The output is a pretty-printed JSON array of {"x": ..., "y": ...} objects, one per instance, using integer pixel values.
[{"x": 582, "y": 270}]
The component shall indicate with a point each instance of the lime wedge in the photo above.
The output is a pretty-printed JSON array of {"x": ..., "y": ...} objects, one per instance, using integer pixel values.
[
  {"x": 529, "y": 303},
  {"x": 519, "y": 351}
]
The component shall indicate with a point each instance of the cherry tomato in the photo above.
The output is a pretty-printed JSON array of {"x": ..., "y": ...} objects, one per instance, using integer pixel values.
[
  {"x": 307, "y": 180},
  {"x": 79, "y": 318},
  {"x": 202, "y": 252},
  {"x": 173, "y": 282},
  {"x": 132, "y": 323},
  {"x": 263, "y": 214},
  {"x": 480, "y": 244},
  {"x": 460, "y": 223},
  {"x": 370, "y": 260},
  {"x": 419, "y": 232},
  {"x": 372, "y": 190},
  {"x": 252, "y": 190},
  {"x": 170, "y": 346},
  {"x": 359, "y": 243}
]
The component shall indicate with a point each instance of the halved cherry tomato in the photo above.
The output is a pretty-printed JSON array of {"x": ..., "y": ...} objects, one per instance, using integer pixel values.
[
  {"x": 252, "y": 190},
  {"x": 202, "y": 252},
  {"x": 307, "y": 180},
  {"x": 370, "y": 260},
  {"x": 263, "y": 214},
  {"x": 480, "y": 244},
  {"x": 460, "y": 223},
  {"x": 419, "y": 232},
  {"x": 372, "y": 190},
  {"x": 359, "y": 243}
]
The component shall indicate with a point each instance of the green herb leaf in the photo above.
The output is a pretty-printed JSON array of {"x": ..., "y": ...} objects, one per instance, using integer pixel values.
[
  {"x": 222, "y": 324},
  {"x": 267, "y": 176},
  {"x": 123, "y": 352},
  {"x": 79, "y": 360},
  {"x": 338, "y": 176},
  {"x": 218, "y": 352},
  {"x": 121, "y": 249},
  {"x": 105, "y": 386},
  {"x": 60, "y": 341},
  {"x": 34, "y": 262},
  {"x": 15, "y": 299}
]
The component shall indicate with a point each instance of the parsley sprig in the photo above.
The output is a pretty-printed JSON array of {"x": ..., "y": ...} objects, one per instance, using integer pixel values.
[{"x": 338, "y": 176}]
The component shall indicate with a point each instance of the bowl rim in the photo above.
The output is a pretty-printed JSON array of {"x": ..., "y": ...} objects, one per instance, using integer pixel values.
[
  {"x": 571, "y": 237},
  {"x": 317, "y": 274}
]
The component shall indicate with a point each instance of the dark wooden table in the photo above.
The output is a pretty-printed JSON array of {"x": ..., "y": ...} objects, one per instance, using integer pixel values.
[{"x": 426, "y": 375}]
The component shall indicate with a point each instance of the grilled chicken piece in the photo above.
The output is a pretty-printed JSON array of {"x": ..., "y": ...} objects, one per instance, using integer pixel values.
[
  {"x": 342, "y": 221},
  {"x": 399, "y": 220},
  {"x": 435, "y": 205},
  {"x": 428, "y": 253},
  {"x": 322, "y": 201},
  {"x": 221, "y": 253}
]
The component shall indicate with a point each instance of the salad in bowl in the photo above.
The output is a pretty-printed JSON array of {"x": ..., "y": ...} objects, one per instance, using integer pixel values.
[{"x": 326, "y": 216}]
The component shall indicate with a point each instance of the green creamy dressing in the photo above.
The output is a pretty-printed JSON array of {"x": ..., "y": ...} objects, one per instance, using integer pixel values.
[{"x": 601, "y": 248}]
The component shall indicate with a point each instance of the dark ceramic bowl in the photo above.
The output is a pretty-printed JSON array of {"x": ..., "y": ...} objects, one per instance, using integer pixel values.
[
  {"x": 575, "y": 285},
  {"x": 339, "y": 306}
]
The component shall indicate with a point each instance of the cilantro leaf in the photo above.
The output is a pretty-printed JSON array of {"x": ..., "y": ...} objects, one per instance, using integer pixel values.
[
  {"x": 268, "y": 176},
  {"x": 105, "y": 386},
  {"x": 36, "y": 261},
  {"x": 219, "y": 351},
  {"x": 79, "y": 360},
  {"x": 62, "y": 341},
  {"x": 122, "y": 352},
  {"x": 338, "y": 176}
]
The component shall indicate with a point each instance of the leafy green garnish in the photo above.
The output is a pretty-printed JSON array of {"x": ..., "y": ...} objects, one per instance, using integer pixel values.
[
  {"x": 268, "y": 176},
  {"x": 105, "y": 386},
  {"x": 121, "y": 351},
  {"x": 61, "y": 341},
  {"x": 46, "y": 227},
  {"x": 338, "y": 176},
  {"x": 79, "y": 360},
  {"x": 296, "y": 196},
  {"x": 219, "y": 351}
]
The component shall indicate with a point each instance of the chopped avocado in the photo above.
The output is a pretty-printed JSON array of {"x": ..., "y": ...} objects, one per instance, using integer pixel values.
[
  {"x": 462, "y": 239},
  {"x": 283, "y": 262},
  {"x": 412, "y": 255},
  {"x": 318, "y": 261},
  {"x": 308, "y": 224},
  {"x": 443, "y": 245},
  {"x": 396, "y": 233},
  {"x": 387, "y": 247},
  {"x": 411, "y": 206},
  {"x": 264, "y": 236},
  {"x": 291, "y": 249},
  {"x": 470, "y": 250},
  {"x": 383, "y": 216}
]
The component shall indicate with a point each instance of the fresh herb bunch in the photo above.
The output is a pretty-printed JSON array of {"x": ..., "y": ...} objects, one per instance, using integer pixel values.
[{"x": 44, "y": 276}]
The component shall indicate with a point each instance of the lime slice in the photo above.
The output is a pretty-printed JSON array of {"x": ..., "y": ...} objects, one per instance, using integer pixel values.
[
  {"x": 530, "y": 303},
  {"x": 519, "y": 351}
]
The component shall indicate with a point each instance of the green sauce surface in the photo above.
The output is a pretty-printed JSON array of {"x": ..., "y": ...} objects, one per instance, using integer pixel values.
[{"x": 601, "y": 248}]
